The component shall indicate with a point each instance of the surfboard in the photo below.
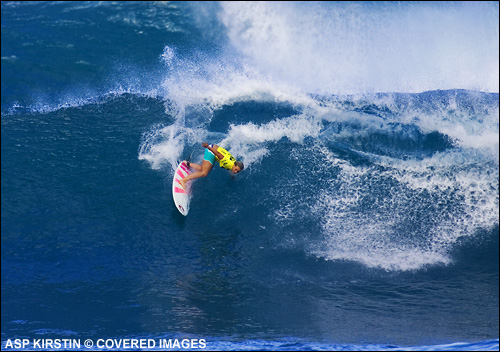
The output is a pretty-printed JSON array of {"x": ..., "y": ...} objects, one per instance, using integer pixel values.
[{"x": 182, "y": 197}]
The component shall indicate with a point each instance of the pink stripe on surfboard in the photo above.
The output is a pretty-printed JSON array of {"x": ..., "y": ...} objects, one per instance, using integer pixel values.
[
  {"x": 180, "y": 174},
  {"x": 179, "y": 190},
  {"x": 185, "y": 169}
]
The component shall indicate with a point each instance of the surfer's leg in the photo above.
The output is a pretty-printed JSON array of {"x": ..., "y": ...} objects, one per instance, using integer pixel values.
[
  {"x": 197, "y": 167},
  {"x": 206, "y": 167}
]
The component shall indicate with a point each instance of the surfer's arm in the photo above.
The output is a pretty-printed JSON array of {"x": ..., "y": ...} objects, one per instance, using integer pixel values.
[{"x": 214, "y": 150}]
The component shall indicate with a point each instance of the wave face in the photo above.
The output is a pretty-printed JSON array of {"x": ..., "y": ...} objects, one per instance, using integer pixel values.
[
  {"x": 389, "y": 181},
  {"x": 369, "y": 201}
]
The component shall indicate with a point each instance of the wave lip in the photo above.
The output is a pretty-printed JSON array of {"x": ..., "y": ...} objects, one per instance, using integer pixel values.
[{"x": 346, "y": 48}]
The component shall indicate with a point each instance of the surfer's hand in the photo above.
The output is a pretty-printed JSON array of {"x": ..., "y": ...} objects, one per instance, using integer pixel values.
[{"x": 204, "y": 145}]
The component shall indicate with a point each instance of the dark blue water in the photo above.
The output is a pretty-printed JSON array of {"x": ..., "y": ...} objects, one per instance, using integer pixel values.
[{"x": 366, "y": 216}]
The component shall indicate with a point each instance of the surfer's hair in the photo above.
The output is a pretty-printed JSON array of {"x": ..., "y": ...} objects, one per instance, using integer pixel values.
[{"x": 239, "y": 164}]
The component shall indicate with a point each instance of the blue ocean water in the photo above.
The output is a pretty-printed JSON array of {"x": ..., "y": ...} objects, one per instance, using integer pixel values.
[{"x": 367, "y": 214}]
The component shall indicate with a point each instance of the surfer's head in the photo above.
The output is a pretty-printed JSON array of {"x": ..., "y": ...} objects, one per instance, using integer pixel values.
[{"x": 237, "y": 167}]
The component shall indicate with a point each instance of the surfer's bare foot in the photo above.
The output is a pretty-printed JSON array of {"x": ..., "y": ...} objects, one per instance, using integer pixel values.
[{"x": 183, "y": 184}]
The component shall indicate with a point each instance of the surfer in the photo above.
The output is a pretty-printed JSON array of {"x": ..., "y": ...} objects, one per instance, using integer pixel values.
[{"x": 212, "y": 153}]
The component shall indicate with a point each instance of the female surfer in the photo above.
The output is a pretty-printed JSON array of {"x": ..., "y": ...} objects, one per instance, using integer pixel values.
[{"x": 212, "y": 153}]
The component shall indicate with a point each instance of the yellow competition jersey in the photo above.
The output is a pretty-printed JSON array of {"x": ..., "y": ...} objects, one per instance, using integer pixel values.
[{"x": 228, "y": 161}]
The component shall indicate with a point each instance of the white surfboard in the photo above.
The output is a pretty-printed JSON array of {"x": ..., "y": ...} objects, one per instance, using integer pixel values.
[{"x": 181, "y": 197}]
